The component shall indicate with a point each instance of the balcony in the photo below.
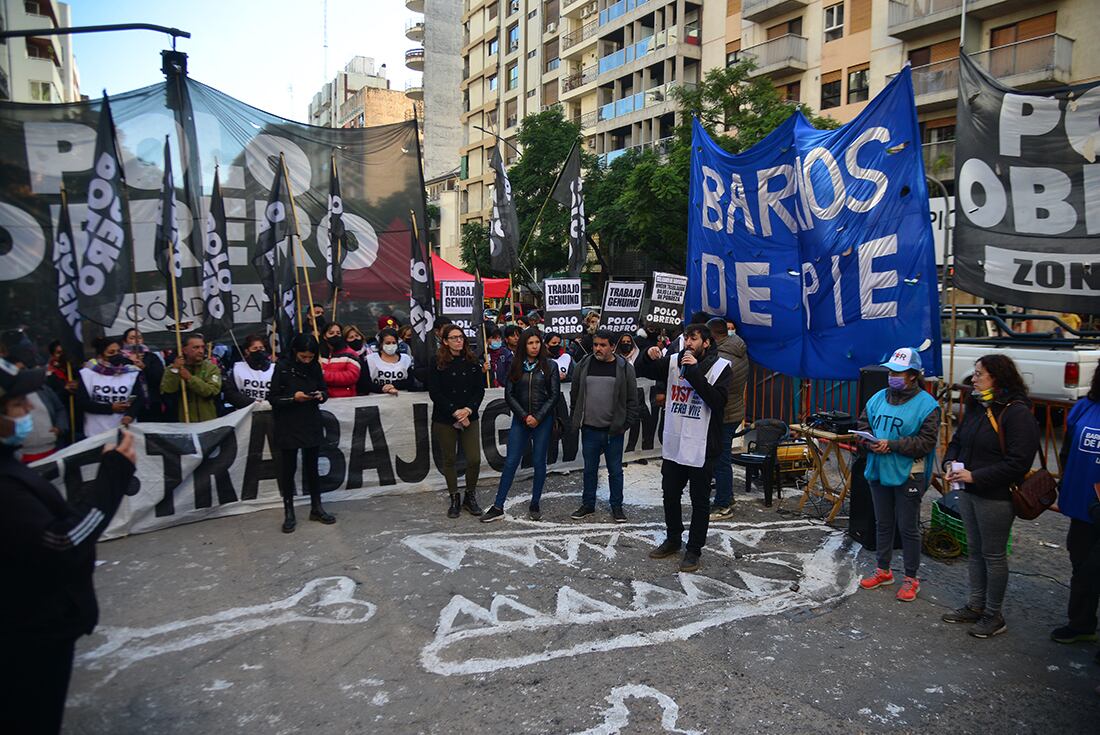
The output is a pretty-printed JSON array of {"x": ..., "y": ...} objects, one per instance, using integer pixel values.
[
  {"x": 939, "y": 159},
  {"x": 417, "y": 6},
  {"x": 618, "y": 10},
  {"x": 414, "y": 89},
  {"x": 758, "y": 11},
  {"x": 579, "y": 78},
  {"x": 574, "y": 8},
  {"x": 1036, "y": 61},
  {"x": 779, "y": 56},
  {"x": 908, "y": 19},
  {"x": 639, "y": 101},
  {"x": 414, "y": 31},
  {"x": 584, "y": 33},
  {"x": 660, "y": 146},
  {"x": 414, "y": 59},
  {"x": 644, "y": 47},
  {"x": 587, "y": 120}
]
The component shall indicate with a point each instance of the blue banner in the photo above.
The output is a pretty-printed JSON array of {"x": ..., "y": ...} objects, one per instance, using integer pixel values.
[{"x": 818, "y": 243}]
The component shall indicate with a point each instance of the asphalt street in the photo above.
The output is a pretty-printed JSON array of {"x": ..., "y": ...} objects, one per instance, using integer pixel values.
[{"x": 400, "y": 620}]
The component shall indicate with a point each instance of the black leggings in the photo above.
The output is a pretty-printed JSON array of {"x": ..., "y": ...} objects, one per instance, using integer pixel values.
[{"x": 288, "y": 468}]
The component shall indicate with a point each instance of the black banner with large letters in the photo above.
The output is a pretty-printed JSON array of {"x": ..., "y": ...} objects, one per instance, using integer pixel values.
[
  {"x": 45, "y": 146},
  {"x": 1027, "y": 225}
]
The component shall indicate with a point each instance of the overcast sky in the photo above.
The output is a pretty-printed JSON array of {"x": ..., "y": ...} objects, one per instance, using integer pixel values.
[{"x": 268, "y": 53}]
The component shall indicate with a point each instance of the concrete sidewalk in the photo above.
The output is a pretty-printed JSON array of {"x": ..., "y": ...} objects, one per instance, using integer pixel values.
[{"x": 399, "y": 620}]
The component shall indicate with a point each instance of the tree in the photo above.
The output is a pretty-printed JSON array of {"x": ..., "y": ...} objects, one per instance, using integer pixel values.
[{"x": 474, "y": 247}]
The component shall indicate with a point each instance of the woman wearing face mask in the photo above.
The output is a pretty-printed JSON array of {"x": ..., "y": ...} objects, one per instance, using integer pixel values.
[
  {"x": 356, "y": 342},
  {"x": 340, "y": 364},
  {"x": 389, "y": 371},
  {"x": 249, "y": 380},
  {"x": 627, "y": 349},
  {"x": 456, "y": 383},
  {"x": 112, "y": 389},
  {"x": 531, "y": 394},
  {"x": 497, "y": 354},
  {"x": 996, "y": 444},
  {"x": 48, "y": 545},
  {"x": 905, "y": 419},
  {"x": 297, "y": 392},
  {"x": 559, "y": 356},
  {"x": 152, "y": 369}
]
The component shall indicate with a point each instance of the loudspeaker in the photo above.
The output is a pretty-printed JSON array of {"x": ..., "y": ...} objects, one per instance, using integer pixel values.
[
  {"x": 872, "y": 379},
  {"x": 861, "y": 509}
]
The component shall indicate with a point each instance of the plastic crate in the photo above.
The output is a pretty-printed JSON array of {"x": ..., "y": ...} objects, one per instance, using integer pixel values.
[{"x": 944, "y": 521}]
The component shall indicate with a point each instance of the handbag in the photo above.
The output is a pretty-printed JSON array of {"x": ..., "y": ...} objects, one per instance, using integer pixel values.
[{"x": 1037, "y": 491}]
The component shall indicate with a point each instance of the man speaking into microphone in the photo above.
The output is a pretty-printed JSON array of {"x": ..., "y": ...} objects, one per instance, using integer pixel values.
[{"x": 696, "y": 384}]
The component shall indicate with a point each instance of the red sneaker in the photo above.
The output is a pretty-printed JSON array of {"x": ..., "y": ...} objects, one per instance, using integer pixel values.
[
  {"x": 879, "y": 578},
  {"x": 910, "y": 586}
]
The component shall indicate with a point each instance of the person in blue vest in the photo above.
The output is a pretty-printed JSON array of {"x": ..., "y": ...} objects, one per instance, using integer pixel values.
[
  {"x": 1077, "y": 499},
  {"x": 905, "y": 419}
]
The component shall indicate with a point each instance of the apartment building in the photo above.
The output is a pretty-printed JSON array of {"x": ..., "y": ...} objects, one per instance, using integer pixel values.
[
  {"x": 39, "y": 68},
  {"x": 437, "y": 28},
  {"x": 325, "y": 109},
  {"x": 834, "y": 55},
  {"x": 607, "y": 65}
]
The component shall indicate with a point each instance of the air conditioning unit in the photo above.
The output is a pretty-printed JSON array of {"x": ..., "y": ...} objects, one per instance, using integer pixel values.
[
  {"x": 551, "y": 27},
  {"x": 513, "y": 46},
  {"x": 590, "y": 10}
]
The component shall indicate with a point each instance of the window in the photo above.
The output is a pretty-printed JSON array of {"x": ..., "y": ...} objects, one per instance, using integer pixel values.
[
  {"x": 733, "y": 52},
  {"x": 858, "y": 83},
  {"x": 790, "y": 27},
  {"x": 513, "y": 6},
  {"x": 792, "y": 92},
  {"x": 491, "y": 118},
  {"x": 494, "y": 47},
  {"x": 553, "y": 64},
  {"x": 492, "y": 11},
  {"x": 834, "y": 22},
  {"x": 513, "y": 37},
  {"x": 40, "y": 91},
  {"x": 531, "y": 54},
  {"x": 532, "y": 14},
  {"x": 513, "y": 75},
  {"x": 511, "y": 113},
  {"x": 830, "y": 90},
  {"x": 531, "y": 93},
  {"x": 493, "y": 83}
]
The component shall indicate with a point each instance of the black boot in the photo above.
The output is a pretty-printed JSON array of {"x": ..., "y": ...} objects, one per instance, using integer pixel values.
[
  {"x": 456, "y": 506},
  {"x": 289, "y": 521},
  {"x": 470, "y": 502},
  {"x": 317, "y": 513}
]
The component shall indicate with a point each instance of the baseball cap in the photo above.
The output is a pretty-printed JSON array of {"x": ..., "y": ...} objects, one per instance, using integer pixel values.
[
  {"x": 904, "y": 358},
  {"x": 16, "y": 382},
  {"x": 386, "y": 322}
]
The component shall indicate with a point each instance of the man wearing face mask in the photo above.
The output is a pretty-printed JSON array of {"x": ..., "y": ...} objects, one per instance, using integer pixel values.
[
  {"x": 249, "y": 380},
  {"x": 905, "y": 419},
  {"x": 48, "y": 546},
  {"x": 510, "y": 335},
  {"x": 203, "y": 379},
  {"x": 112, "y": 389}
]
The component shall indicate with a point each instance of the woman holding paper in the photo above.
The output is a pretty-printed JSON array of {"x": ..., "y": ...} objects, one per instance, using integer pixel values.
[
  {"x": 900, "y": 426},
  {"x": 995, "y": 444}
]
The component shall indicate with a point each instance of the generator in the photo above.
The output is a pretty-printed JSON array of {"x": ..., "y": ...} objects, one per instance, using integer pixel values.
[{"x": 793, "y": 461}]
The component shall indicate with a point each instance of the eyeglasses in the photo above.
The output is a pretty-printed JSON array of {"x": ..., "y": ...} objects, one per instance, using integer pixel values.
[{"x": 455, "y": 336}]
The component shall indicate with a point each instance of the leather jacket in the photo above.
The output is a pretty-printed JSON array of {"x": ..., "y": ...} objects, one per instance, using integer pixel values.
[{"x": 534, "y": 394}]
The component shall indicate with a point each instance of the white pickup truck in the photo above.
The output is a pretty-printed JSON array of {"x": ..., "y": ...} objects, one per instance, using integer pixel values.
[{"x": 1056, "y": 365}]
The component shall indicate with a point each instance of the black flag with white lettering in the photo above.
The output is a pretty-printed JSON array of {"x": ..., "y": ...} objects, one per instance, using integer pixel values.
[
  {"x": 64, "y": 262},
  {"x": 1027, "y": 223},
  {"x": 107, "y": 266},
  {"x": 339, "y": 244},
  {"x": 274, "y": 259},
  {"x": 569, "y": 190},
  {"x": 166, "y": 248},
  {"x": 421, "y": 302},
  {"x": 504, "y": 222},
  {"x": 217, "y": 277}
]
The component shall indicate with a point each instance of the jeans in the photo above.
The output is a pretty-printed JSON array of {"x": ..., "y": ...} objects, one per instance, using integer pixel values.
[
  {"x": 674, "y": 477},
  {"x": 723, "y": 470},
  {"x": 448, "y": 438},
  {"x": 519, "y": 435},
  {"x": 595, "y": 442},
  {"x": 1083, "y": 544},
  {"x": 898, "y": 507},
  {"x": 988, "y": 523}
]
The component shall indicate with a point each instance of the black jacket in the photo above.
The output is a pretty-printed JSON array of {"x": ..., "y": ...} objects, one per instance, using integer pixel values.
[
  {"x": 626, "y": 408},
  {"x": 48, "y": 547},
  {"x": 461, "y": 384},
  {"x": 297, "y": 425},
  {"x": 534, "y": 394},
  {"x": 714, "y": 396},
  {"x": 976, "y": 445}
]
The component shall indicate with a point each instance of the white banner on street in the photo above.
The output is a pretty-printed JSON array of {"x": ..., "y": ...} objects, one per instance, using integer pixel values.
[{"x": 372, "y": 445}]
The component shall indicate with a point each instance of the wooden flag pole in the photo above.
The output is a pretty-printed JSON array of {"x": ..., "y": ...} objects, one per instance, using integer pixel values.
[
  {"x": 72, "y": 400},
  {"x": 179, "y": 337},
  {"x": 512, "y": 299},
  {"x": 339, "y": 243},
  {"x": 297, "y": 241}
]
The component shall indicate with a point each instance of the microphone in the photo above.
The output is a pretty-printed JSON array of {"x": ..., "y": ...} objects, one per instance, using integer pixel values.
[{"x": 680, "y": 362}]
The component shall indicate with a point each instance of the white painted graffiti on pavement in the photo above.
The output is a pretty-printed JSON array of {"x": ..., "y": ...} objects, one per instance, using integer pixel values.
[
  {"x": 473, "y": 638},
  {"x": 617, "y": 716},
  {"x": 329, "y": 600}
]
